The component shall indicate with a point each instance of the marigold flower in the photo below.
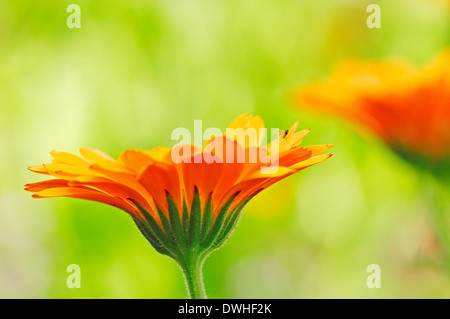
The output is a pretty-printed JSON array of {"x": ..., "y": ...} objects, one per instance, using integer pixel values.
[
  {"x": 409, "y": 108},
  {"x": 184, "y": 209}
]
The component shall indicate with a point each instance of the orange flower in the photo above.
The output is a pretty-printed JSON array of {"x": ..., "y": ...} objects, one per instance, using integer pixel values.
[
  {"x": 184, "y": 208},
  {"x": 408, "y": 108}
]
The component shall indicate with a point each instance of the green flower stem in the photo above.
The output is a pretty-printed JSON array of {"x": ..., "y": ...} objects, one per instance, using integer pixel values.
[{"x": 192, "y": 271}]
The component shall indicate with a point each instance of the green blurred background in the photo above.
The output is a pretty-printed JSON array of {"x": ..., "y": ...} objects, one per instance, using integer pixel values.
[{"x": 137, "y": 70}]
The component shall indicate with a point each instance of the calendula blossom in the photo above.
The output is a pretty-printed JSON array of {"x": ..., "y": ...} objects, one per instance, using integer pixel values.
[
  {"x": 406, "y": 106},
  {"x": 185, "y": 209}
]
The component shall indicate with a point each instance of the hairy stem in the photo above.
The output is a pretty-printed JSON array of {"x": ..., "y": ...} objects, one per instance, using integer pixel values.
[{"x": 192, "y": 271}]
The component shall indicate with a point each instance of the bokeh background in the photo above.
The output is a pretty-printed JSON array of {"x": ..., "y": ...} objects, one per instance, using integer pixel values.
[{"x": 137, "y": 70}]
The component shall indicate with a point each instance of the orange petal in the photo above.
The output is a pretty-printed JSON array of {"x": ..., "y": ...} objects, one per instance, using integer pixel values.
[
  {"x": 122, "y": 175},
  {"x": 63, "y": 170},
  {"x": 318, "y": 149},
  {"x": 135, "y": 159},
  {"x": 111, "y": 166},
  {"x": 39, "y": 186},
  {"x": 158, "y": 153},
  {"x": 92, "y": 155},
  {"x": 157, "y": 178},
  {"x": 293, "y": 156},
  {"x": 68, "y": 158},
  {"x": 89, "y": 194},
  {"x": 311, "y": 161},
  {"x": 249, "y": 130},
  {"x": 113, "y": 188},
  {"x": 39, "y": 169}
]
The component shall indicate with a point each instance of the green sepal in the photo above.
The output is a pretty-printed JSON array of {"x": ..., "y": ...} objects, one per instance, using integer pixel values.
[
  {"x": 207, "y": 219},
  {"x": 232, "y": 218},
  {"x": 195, "y": 223},
  {"x": 166, "y": 225},
  {"x": 229, "y": 225},
  {"x": 151, "y": 238},
  {"x": 185, "y": 219},
  {"x": 156, "y": 230},
  {"x": 175, "y": 221},
  {"x": 218, "y": 223}
]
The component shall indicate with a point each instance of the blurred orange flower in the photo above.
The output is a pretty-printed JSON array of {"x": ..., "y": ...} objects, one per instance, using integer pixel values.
[{"x": 409, "y": 108}]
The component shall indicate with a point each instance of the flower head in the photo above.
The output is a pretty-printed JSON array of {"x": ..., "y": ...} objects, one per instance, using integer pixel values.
[
  {"x": 185, "y": 200},
  {"x": 409, "y": 108}
]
